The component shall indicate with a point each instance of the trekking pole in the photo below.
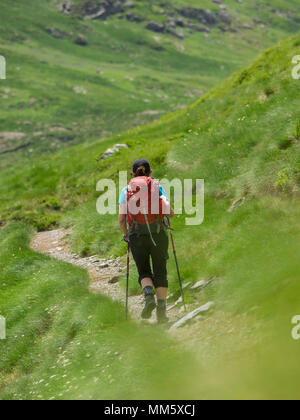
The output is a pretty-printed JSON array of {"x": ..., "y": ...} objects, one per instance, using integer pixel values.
[
  {"x": 176, "y": 261},
  {"x": 127, "y": 281}
]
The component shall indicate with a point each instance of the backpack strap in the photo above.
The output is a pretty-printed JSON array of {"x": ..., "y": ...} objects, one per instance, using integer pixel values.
[{"x": 147, "y": 222}]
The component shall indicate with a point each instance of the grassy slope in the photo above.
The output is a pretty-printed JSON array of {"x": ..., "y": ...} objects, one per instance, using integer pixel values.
[
  {"x": 42, "y": 71},
  {"x": 65, "y": 343},
  {"x": 243, "y": 138}
]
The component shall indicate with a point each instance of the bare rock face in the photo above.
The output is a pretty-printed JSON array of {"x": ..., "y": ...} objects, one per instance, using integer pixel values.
[
  {"x": 204, "y": 16},
  {"x": 103, "y": 9},
  {"x": 193, "y": 18}
]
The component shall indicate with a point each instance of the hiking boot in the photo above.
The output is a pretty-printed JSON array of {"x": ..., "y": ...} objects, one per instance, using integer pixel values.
[
  {"x": 161, "y": 312},
  {"x": 150, "y": 305}
]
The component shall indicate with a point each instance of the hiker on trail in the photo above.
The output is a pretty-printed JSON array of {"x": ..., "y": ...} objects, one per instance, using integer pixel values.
[{"x": 143, "y": 207}]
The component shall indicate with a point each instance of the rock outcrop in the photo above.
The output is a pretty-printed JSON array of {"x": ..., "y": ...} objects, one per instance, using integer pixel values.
[{"x": 192, "y": 18}]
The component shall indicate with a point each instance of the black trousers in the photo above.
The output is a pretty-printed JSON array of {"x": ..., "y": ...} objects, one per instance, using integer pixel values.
[{"x": 143, "y": 251}]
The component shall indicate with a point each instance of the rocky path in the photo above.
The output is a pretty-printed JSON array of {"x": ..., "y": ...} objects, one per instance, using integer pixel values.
[{"x": 104, "y": 273}]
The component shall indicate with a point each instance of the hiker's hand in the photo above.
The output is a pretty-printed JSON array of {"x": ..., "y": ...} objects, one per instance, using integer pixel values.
[{"x": 126, "y": 238}]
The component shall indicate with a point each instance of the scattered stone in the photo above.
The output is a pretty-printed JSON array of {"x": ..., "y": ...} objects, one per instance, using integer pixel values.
[
  {"x": 80, "y": 90},
  {"x": 236, "y": 204},
  {"x": 100, "y": 14},
  {"x": 247, "y": 27},
  {"x": 129, "y": 3},
  {"x": 200, "y": 283},
  {"x": 55, "y": 129},
  {"x": 103, "y": 265},
  {"x": 150, "y": 112},
  {"x": 191, "y": 315},
  {"x": 114, "y": 280},
  {"x": 156, "y": 27},
  {"x": 132, "y": 17},
  {"x": 177, "y": 34},
  {"x": 179, "y": 300},
  {"x": 66, "y": 8},
  {"x": 56, "y": 33}
]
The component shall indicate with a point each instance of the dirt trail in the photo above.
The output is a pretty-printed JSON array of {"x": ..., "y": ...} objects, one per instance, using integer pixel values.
[{"x": 104, "y": 273}]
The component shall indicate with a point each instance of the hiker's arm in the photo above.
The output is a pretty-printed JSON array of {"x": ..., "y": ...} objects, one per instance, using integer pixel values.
[
  {"x": 167, "y": 208},
  {"x": 172, "y": 214},
  {"x": 122, "y": 223}
]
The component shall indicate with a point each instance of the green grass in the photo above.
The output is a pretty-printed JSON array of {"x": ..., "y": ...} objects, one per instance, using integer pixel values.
[
  {"x": 64, "y": 343},
  {"x": 43, "y": 71}
]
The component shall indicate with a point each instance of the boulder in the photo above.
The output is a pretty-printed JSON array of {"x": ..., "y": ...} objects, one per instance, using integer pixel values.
[{"x": 110, "y": 152}]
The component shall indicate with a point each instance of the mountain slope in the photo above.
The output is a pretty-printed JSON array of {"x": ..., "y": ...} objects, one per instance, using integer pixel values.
[
  {"x": 64, "y": 72},
  {"x": 243, "y": 139}
]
